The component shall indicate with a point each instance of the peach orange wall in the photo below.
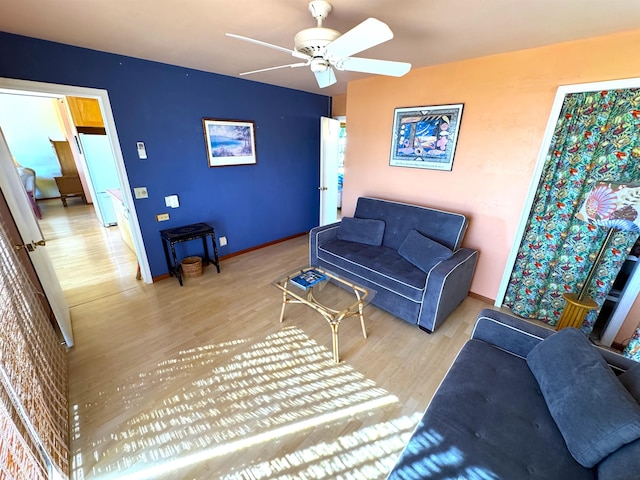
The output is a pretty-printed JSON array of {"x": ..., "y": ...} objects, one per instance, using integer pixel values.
[
  {"x": 507, "y": 100},
  {"x": 339, "y": 106}
]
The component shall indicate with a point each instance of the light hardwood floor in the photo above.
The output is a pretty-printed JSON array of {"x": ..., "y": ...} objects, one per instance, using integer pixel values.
[{"x": 203, "y": 382}]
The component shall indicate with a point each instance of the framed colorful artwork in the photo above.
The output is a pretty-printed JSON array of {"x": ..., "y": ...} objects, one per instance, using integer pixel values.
[
  {"x": 229, "y": 142},
  {"x": 425, "y": 137}
]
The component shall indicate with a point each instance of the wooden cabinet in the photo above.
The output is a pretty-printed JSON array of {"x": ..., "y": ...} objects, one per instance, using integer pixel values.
[{"x": 85, "y": 112}]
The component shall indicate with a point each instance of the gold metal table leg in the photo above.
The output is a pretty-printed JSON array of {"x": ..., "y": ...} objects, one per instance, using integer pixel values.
[
  {"x": 364, "y": 329},
  {"x": 284, "y": 304},
  {"x": 334, "y": 334}
]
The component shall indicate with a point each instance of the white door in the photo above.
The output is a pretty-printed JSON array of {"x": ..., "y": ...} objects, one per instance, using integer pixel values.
[
  {"x": 25, "y": 219},
  {"x": 329, "y": 148}
]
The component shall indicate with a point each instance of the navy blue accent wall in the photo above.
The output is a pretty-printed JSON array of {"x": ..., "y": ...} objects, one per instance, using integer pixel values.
[{"x": 163, "y": 106}]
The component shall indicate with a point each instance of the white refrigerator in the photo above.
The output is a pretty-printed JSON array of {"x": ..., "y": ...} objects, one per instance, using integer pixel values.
[{"x": 103, "y": 174}]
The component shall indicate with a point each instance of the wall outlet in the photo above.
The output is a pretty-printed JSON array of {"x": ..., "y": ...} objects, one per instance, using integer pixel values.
[
  {"x": 222, "y": 241},
  {"x": 162, "y": 217},
  {"x": 141, "y": 192}
]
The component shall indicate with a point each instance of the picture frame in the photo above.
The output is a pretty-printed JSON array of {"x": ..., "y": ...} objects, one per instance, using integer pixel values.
[
  {"x": 425, "y": 137},
  {"x": 229, "y": 142}
]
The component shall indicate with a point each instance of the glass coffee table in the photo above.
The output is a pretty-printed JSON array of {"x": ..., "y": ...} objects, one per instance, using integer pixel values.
[{"x": 330, "y": 295}]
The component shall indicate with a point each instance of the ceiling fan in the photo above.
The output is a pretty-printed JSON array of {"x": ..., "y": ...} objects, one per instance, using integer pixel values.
[{"x": 324, "y": 49}]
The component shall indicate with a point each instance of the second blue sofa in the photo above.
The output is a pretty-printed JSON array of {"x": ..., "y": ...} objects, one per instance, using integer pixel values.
[
  {"x": 524, "y": 402},
  {"x": 410, "y": 255}
]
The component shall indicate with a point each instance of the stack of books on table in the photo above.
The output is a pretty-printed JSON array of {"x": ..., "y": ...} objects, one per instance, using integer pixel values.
[{"x": 308, "y": 279}]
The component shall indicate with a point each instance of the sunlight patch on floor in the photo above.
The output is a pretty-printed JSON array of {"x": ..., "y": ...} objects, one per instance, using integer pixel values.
[
  {"x": 219, "y": 399},
  {"x": 366, "y": 454}
]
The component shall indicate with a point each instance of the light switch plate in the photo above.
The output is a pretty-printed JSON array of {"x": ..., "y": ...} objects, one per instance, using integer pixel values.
[
  {"x": 172, "y": 201},
  {"x": 162, "y": 217},
  {"x": 141, "y": 192}
]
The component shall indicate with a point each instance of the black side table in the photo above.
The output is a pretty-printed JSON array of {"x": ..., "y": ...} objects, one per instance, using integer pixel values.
[{"x": 171, "y": 236}]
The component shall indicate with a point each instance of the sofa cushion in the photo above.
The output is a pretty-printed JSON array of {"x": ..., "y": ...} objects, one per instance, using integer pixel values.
[
  {"x": 631, "y": 381},
  {"x": 488, "y": 420},
  {"x": 381, "y": 266},
  {"x": 361, "y": 230},
  {"x": 594, "y": 412},
  {"x": 423, "y": 252},
  {"x": 446, "y": 228},
  {"x": 623, "y": 464}
]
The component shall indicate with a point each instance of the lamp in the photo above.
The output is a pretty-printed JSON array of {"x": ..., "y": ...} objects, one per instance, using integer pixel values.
[{"x": 615, "y": 206}]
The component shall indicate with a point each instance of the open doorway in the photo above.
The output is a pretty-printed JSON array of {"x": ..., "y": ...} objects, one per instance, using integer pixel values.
[
  {"x": 342, "y": 148},
  {"x": 332, "y": 150},
  {"x": 37, "y": 131},
  {"x": 52, "y": 90}
]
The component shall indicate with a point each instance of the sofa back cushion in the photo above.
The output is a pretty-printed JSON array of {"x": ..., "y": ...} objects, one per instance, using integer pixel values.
[
  {"x": 445, "y": 228},
  {"x": 361, "y": 230},
  {"x": 423, "y": 252},
  {"x": 595, "y": 414}
]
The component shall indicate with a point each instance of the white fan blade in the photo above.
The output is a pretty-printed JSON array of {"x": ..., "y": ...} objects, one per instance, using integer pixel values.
[
  {"x": 293, "y": 65},
  {"x": 275, "y": 47},
  {"x": 325, "y": 78},
  {"x": 370, "y": 65},
  {"x": 367, "y": 34}
]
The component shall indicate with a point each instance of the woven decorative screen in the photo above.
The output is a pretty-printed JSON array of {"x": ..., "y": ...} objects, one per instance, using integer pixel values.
[{"x": 33, "y": 379}]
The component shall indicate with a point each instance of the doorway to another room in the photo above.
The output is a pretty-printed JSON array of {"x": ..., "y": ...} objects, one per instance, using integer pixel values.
[
  {"x": 333, "y": 139},
  {"x": 342, "y": 146},
  {"x": 70, "y": 199},
  {"x": 89, "y": 259}
]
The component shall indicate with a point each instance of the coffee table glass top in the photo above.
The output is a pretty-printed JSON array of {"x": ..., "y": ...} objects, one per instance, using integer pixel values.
[{"x": 332, "y": 296}]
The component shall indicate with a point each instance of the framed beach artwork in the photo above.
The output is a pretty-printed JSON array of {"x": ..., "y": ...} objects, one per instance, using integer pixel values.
[
  {"x": 425, "y": 137},
  {"x": 229, "y": 142}
]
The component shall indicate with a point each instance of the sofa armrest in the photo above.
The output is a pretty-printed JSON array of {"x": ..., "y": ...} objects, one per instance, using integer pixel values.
[
  {"x": 509, "y": 333},
  {"x": 518, "y": 337},
  {"x": 447, "y": 285},
  {"x": 319, "y": 236}
]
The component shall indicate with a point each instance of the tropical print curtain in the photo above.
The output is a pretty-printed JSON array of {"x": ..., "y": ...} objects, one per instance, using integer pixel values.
[{"x": 596, "y": 138}]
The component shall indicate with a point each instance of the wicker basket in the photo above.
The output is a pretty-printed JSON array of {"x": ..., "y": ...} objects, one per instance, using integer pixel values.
[{"x": 191, "y": 267}]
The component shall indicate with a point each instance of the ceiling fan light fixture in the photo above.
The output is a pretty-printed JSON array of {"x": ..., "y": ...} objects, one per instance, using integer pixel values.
[{"x": 319, "y": 64}]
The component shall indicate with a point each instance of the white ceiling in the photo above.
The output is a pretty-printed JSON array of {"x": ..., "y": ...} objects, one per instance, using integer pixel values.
[{"x": 190, "y": 33}]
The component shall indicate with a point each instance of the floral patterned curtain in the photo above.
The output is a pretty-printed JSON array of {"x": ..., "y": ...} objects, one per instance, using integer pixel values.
[{"x": 596, "y": 138}]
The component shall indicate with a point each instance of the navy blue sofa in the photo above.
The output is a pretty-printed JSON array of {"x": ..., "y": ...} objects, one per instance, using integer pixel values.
[
  {"x": 524, "y": 402},
  {"x": 410, "y": 255}
]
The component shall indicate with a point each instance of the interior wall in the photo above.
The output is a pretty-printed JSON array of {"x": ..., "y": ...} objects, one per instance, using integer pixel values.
[
  {"x": 507, "y": 100},
  {"x": 339, "y": 106},
  {"x": 28, "y": 124},
  {"x": 163, "y": 106}
]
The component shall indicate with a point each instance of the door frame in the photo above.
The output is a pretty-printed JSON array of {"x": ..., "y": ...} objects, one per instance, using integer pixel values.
[
  {"x": 10, "y": 85},
  {"x": 632, "y": 289}
]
